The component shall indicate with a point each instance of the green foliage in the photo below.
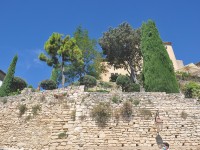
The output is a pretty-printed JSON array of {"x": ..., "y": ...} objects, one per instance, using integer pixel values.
[
  {"x": 184, "y": 115},
  {"x": 136, "y": 102},
  {"x": 88, "y": 81},
  {"x": 62, "y": 135},
  {"x": 187, "y": 77},
  {"x": 113, "y": 77},
  {"x": 30, "y": 86},
  {"x": 101, "y": 113},
  {"x": 133, "y": 87},
  {"x": 48, "y": 85},
  {"x": 158, "y": 71},
  {"x": 35, "y": 109},
  {"x": 61, "y": 52},
  {"x": 123, "y": 81},
  {"x": 192, "y": 90},
  {"x": 127, "y": 110},
  {"x": 121, "y": 46},
  {"x": 73, "y": 115},
  {"x": 91, "y": 57},
  {"x": 6, "y": 87},
  {"x": 4, "y": 100},
  {"x": 105, "y": 85},
  {"x": 22, "y": 109},
  {"x": 18, "y": 84},
  {"x": 146, "y": 113},
  {"x": 115, "y": 99},
  {"x": 54, "y": 75}
]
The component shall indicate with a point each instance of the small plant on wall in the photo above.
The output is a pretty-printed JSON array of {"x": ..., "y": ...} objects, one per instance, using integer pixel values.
[
  {"x": 62, "y": 135},
  {"x": 184, "y": 115},
  {"x": 101, "y": 113},
  {"x": 146, "y": 113},
  {"x": 127, "y": 110},
  {"x": 22, "y": 109},
  {"x": 35, "y": 109},
  {"x": 73, "y": 115},
  {"x": 115, "y": 99},
  {"x": 136, "y": 102}
]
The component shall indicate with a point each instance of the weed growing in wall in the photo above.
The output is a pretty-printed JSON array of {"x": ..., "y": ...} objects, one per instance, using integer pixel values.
[
  {"x": 116, "y": 115},
  {"x": 62, "y": 135},
  {"x": 136, "y": 102},
  {"x": 115, "y": 99},
  {"x": 82, "y": 117},
  {"x": 35, "y": 109},
  {"x": 146, "y": 113},
  {"x": 22, "y": 109},
  {"x": 127, "y": 110},
  {"x": 73, "y": 115},
  {"x": 184, "y": 115},
  {"x": 42, "y": 98},
  {"x": 101, "y": 113},
  {"x": 4, "y": 100}
]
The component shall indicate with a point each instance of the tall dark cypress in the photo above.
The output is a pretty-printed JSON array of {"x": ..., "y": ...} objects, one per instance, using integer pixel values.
[
  {"x": 158, "y": 71},
  {"x": 6, "y": 89}
]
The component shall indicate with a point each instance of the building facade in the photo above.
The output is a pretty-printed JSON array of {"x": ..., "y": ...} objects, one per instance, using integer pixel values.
[{"x": 2, "y": 75}]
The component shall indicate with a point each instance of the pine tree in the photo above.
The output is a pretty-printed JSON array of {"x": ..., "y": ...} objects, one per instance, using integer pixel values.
[
  {"x": 6, "y": 89},
  {"x": 158, "y": 71}
]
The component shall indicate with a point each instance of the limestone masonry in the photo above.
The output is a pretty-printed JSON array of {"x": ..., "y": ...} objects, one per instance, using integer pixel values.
[{"x": 64, "y": 122}]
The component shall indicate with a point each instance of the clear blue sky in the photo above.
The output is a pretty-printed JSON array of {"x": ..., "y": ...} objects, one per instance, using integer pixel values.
[{"x": 25, "y": 25}]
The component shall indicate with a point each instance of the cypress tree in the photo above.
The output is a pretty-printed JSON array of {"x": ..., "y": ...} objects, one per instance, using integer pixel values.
[
  {"x": 6, "y": 89},
  {"x": 54, "y": 75},
  {"x": 158, "y": 70}
]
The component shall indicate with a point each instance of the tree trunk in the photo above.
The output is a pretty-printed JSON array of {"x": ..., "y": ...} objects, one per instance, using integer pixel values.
[
  {"x": 133, "y": 76},
  {"x": 62, "y": 69}
]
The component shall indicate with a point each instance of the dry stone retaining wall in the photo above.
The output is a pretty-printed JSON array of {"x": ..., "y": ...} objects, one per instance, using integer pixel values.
[{"x": 67, "y": 111}]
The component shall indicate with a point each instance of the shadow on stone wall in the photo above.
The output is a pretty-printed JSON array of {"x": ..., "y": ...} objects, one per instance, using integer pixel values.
[{"x": 159, "y": 141}]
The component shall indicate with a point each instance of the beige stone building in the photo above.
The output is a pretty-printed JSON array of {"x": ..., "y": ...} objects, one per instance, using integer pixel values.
[
  {"x": 2, "y": 75},
  {"x": 168, "y": 45}
]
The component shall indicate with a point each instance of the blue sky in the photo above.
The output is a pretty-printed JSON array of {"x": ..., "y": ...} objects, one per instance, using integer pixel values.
[{"x": 25, "y": 25}]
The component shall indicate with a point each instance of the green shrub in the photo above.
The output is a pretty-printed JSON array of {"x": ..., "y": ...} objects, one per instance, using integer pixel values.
[
  {"x": 113, "y": 77},
  {"x": 101, "y": 113},
  {"x": 105, "y": 84},
  {"x": 115, "y": 99},
  {"x": 4, "y": 100},
  {"x": 192, "y": 90},
  {"x": 184, "y": 115},
  {"x": 136, "y": 102},
  {"x": 88, "y": 81},
  {"x": 116, "y": 114},
  {"x": 35, "y": 109},
  {"x": 62, "y": 135},
  {"x": 127, "y": 110},
  {"x": 123, "y": 81},
  {"x": 146, "y": 113},
  {"x": 18, "y": 84},
  {"x": 48, "y": 84},
  {"x": 73, "y": 115},
  {"x": 82, "y": 117},
  {"x": 133, "y": 87},
  {"x": 28, "y": 118},
  {"x": 22, "y": 109},
  {"x": 102, "y": 91},
  {"x": 30, "y": 86}
]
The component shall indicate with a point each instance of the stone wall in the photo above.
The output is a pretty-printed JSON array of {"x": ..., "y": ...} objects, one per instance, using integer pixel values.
[{"x": 67, "y": 111}]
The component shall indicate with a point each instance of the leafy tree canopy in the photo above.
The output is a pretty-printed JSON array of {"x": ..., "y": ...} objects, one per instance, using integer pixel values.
[
  {"x": 121, "y": 46},
  {"x": 61, "y": 51}
]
